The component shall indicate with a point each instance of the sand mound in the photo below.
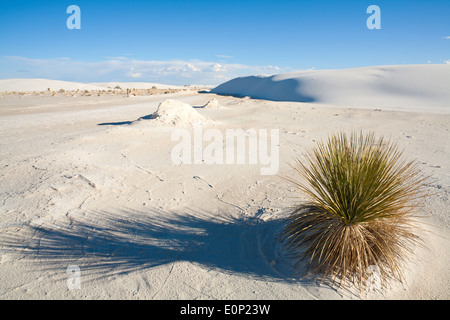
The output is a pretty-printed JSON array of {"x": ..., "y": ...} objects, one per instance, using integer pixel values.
[
  {"x": 177, "y": 113},
  {"x": 212, "y": 104},
  {"x": 396, "y": 87}
]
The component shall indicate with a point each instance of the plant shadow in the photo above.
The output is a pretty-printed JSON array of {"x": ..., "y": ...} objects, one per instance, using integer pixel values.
[{"x": 106, "y": 244}]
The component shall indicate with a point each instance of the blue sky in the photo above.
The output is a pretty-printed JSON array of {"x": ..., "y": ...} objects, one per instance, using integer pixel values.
[{"x": 186, "y": 42}]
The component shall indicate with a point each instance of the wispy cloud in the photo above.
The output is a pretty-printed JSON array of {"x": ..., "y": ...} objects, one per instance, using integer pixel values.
[
  {"x": 125, "y": 69},
  {"x": 223, "y": 56},
  {"x": 447, "y": 37},
  {"x": 116, "y": 58}
]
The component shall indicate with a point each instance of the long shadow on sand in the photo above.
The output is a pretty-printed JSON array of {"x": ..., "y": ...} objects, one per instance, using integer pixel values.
[
  {"x": 106, "y": 244},
  {"x": 147, "y": 117},
  {"x": 121, "y": 123}
]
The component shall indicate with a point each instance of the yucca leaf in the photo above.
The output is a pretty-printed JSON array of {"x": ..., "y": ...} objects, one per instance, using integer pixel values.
[{"x": 360, "y": 196}]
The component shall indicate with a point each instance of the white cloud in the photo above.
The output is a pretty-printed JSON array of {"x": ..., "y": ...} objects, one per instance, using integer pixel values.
[
  {"x": 178, "y": 72},
  {"x": 193, "y": 68},
  {"x": 223, "y": 56},
  {"x": 132, "y": 74},
  {"x": 116, "y": 58},
  {"x": 448, "y": 37},
  {"x": 217, "y": 67},
  {"x": 447, "y": 61}
]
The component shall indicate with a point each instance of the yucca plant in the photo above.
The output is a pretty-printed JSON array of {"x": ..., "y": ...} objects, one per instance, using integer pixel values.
[{"x": 359, "y": 210}]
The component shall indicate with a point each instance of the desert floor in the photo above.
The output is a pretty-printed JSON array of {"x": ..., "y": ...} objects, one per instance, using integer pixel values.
[{"x": 86, "y": 188}]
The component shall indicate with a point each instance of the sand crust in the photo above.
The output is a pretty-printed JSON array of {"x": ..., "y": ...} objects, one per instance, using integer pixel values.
[{"x": 82, "y": 187}]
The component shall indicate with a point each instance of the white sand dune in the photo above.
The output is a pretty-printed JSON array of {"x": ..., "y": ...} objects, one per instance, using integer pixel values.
[
  {"x": 21, "y": 85},
  {"x": 82, "y": 187},
  {"x": 410, "y": 87},
  {"x": 29, "y": 85}
]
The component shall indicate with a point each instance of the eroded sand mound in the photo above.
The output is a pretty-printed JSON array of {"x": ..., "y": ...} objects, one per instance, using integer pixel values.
[
  {"x": 176, "y": 113},
  {"x": 213, "y": 104}
]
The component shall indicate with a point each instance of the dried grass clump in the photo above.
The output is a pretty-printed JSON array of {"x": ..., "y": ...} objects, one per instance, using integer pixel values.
[{"x": 359, "y": 211}]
